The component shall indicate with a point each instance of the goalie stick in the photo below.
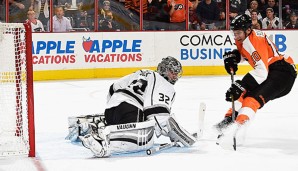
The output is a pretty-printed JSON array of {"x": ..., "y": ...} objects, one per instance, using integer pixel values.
[
  {"x": 201, "y": 118},
  {"x": 160, "y": 147}
]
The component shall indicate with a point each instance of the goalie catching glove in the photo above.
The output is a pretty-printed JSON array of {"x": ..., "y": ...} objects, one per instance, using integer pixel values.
[
  {"x": 231, "y": 60},
  {"x": 235, "y": 91}
]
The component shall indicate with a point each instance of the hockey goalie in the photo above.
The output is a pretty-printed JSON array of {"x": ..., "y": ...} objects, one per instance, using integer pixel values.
[{"x": 138, "y": 106}]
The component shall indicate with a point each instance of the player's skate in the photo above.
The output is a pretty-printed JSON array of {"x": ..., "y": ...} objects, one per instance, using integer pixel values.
[
  {"x": 234, "y": 131},
  {"x": 225, "y": 123},
  {"x": 227, "y": 138},
  {"x": 219, "y": 127}
]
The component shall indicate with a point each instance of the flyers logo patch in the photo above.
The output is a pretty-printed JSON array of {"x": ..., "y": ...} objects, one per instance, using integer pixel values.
[{"x": 255, "y": 56}]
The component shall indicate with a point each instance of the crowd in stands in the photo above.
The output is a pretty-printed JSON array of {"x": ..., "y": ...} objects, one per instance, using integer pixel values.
[{"x": 127, "y": 15}]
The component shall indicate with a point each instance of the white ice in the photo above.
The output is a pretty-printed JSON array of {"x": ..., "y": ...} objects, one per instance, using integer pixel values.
[{"x": 271, "y": 139}]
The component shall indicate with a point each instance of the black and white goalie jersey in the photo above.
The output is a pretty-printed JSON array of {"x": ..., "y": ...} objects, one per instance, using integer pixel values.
[{"x": 145, "y": 89}]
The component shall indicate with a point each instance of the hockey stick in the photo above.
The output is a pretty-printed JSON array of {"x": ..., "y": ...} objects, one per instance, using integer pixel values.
[
  {"x": 201, "y": 120},
  {"x": 233, "y": 108},
  {"x": 160, "y": 147}
]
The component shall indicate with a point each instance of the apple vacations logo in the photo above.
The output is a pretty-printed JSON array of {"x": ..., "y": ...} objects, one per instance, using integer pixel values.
[{"x": 87, "y": 44}]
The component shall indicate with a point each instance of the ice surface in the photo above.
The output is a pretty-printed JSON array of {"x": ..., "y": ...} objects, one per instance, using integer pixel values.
[{"x": 271, "y": 139}]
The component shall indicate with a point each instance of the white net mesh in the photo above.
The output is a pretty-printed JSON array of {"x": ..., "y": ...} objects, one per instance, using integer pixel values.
[{"x": 14, "y": 135}]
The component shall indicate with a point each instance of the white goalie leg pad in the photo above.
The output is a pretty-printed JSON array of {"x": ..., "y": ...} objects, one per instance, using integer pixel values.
[
  {"x": 131, "y": 137},
  {"x": 80, "y": 125},
  {"x": 179, "y": 134}
]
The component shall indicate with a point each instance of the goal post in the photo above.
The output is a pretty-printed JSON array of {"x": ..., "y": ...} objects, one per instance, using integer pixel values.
[{"x": 17, "y": 134}]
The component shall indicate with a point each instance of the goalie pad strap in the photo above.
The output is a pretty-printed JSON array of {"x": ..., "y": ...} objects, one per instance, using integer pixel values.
[{"x": 178, "y": 134}]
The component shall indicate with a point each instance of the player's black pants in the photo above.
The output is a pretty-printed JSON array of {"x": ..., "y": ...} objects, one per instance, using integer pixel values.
[
  {"x": 279, "y": 83},
  {"x": 123, "y": 113}
]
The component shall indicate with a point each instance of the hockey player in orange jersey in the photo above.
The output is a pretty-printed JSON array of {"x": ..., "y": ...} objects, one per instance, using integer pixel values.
[{"x": 273, "y": 74}]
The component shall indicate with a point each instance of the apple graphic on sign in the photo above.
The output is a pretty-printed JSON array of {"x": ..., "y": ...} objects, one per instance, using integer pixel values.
[{"x": 87, "y": 44}]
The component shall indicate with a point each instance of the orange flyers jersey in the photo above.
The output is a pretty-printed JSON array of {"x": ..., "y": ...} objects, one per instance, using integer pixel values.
[
  {"x": 180, "y": 9},
  {"x": 260, "y": 52}
]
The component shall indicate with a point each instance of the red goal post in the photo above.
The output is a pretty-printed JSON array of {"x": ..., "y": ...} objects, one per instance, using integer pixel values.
[{"x": 17, "y": 134}]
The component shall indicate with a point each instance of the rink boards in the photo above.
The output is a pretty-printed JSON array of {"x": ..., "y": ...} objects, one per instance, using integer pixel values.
[{"x": 80, "y": 55}]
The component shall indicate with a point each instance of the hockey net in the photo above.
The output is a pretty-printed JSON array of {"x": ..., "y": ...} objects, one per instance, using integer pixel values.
[{"x": 16, "y": 91}]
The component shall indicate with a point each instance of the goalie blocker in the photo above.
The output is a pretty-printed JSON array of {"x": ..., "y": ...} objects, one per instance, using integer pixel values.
[{"x": 123, "y": 138}]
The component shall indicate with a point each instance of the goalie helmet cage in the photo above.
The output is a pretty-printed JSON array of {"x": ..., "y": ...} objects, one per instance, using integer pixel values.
[{"x": 17, "y": 134}]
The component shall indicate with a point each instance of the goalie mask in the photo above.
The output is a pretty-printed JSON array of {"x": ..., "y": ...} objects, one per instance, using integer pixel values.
[{"x": 170, "y": 68}]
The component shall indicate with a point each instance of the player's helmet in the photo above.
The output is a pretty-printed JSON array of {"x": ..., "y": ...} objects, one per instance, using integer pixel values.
[
  {"x": 170, "y": 68},
  {"x": 241, "y": 22}
]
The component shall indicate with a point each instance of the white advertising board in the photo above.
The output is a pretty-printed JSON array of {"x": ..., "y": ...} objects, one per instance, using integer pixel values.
[{"x": 87, "y": 50}]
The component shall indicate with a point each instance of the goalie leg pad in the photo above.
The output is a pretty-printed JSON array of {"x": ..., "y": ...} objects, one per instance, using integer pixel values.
[
  {"x": 178, "y": 134},
  {"x": 122, "y": 138},
  {"x": 131, "y": 137}
]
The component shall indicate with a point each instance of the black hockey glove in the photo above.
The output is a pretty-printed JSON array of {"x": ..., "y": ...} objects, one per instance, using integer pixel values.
[
  {"x": 235, "y": 91},
  {"x": 231, "y": 60}
]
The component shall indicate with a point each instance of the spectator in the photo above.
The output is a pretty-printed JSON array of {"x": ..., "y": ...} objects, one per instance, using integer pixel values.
[
  {"x": 222, "y": 14},
  {"x": 36, "y": 24},
  {"x": 194, "y": 21},
  {"x": 237, "y": 7},
  {"x": 85, "y": 18},
  {"x": 292, "y": 24},
  {"x": 127, "y": 18},
  {"x": 177, "y": 14},
  {"x": 270, "y": 21},
  {"x": 270, "y": 4},
  {"x": 292, "y": 3},
  {"x": 2, "y": 10},
  {"x": 254, "y": 6},
  {"x": 134, "y": 6},
  {"x": 158, "y": 16},
  {"x": 41, "y": 9},
  {"x": 108, "y": 24},
  {"x": 208, "y": 12},
  {"x": 286, "y": 11},
  {"x": 256, "y": 22},
  {"x": 60, "y": 23},
  {"x": 106, "y": 7},
  {"x": 261, "y": 4},
  {"x": 18, "y": 10}
]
